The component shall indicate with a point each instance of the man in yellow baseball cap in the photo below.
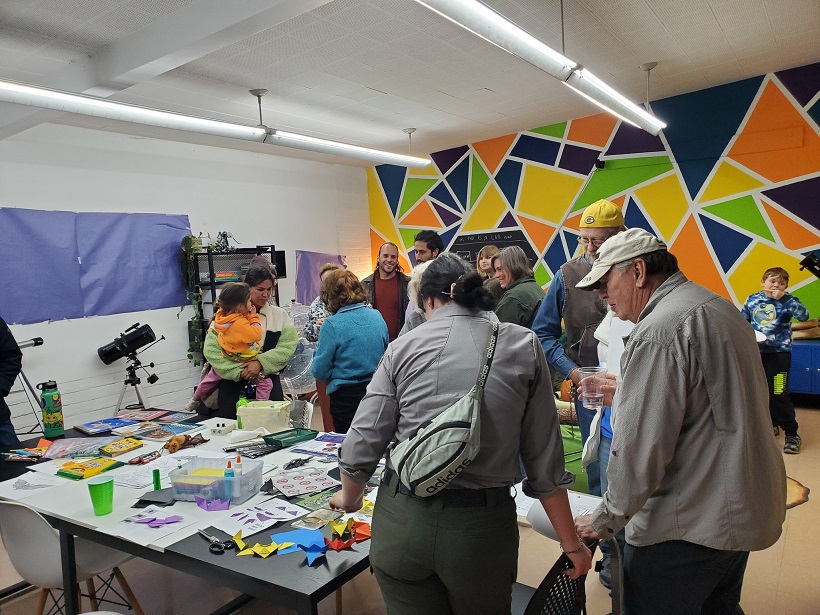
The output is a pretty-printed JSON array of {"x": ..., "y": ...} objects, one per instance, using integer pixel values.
[{"x": 581, "y": 312}]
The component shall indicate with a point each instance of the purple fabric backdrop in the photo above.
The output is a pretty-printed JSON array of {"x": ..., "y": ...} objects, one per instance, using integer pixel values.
[
  {"x": 60, "y": 264},
  {"x": 307, "y": 273}
]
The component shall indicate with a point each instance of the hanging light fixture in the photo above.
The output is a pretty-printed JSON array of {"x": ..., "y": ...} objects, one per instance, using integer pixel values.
[
  {"x": 483, "y": 21},
  {"x": 68, "y": 102}
]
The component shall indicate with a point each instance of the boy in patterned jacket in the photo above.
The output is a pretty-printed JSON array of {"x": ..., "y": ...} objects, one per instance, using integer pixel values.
[{"x": 770, "y": 311}]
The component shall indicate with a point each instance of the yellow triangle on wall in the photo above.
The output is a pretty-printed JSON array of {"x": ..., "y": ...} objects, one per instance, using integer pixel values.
[
  {"x": 486, "y": 212},
  {"x": 666, "y": 204},
  {"x": 547, "y": 194},
  {"x": 728, "y": 181}
]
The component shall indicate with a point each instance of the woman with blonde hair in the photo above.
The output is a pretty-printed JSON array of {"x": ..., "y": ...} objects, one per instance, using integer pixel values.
[
  {"x": 484, "y": 266},
  {"x": 351, "y": 344}
]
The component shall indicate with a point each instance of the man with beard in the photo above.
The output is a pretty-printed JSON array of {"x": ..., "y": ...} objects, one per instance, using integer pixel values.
[{"x": 387, "y": 287}]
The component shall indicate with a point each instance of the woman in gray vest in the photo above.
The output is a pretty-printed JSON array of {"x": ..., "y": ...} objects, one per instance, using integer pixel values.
[{"x": 457, "y": 550}]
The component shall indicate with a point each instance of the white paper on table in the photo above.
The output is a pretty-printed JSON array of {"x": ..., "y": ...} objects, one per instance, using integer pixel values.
[
  {"x": 258, "y": 517},
  {"x": 29, "y": 484},
  {"x": 140, "y": 532},
  {"x": 242, "y": 435},
  {"x": 579, "y": 503}
]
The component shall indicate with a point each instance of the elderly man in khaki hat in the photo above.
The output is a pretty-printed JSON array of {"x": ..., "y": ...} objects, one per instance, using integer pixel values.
[{"x": 694, "y": 474}]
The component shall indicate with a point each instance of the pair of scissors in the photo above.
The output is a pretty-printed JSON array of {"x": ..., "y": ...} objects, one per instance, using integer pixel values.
[{"x": 217, "y": 546}]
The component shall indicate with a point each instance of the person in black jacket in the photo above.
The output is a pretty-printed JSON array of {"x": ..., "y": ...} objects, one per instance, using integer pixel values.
[{"x": 11, "y": 363}]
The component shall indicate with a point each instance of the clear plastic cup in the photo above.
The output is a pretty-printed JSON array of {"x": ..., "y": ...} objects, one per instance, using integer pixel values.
[{"x": 591, "y": 380}]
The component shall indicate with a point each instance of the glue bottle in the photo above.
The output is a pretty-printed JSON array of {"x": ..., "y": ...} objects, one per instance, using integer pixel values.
[
  {"x": 229, "y": 481},
  {"x": 237, "y": 481}
]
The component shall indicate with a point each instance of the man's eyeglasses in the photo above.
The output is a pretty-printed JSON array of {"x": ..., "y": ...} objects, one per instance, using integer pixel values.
[{"x": 595, "y": 241}]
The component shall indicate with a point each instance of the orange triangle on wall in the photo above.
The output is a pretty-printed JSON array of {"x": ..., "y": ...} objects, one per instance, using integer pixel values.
[
  {"x": 492, "y": 151},
  {"x": 540, "y": 233},
  {"x": 777, "y": 142},
  {"x": 422, "y": 215},
  {"x": 619, "y": 201},
  {"x": 592, "y": 130},
  {"x": 793, "y": 234},
  {"x": 574, "y": 222},
  {"x": 695, "y": 260}
]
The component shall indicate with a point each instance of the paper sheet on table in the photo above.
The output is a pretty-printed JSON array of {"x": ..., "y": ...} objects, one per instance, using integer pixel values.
[
  {"x": 134, "y": 529},
  {"x": 29, "y": 484},
  {"x": 241, "y": 435},
  {"x": 253, "y": 519},
  {"x": 579, "y": 503}
]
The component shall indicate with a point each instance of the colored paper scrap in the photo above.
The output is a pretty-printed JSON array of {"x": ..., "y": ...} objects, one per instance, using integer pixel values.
[
  {"x": 213, "y": 504},
  {"x": 361, "y": 531},
  {"x": 156, "y": 522},
  {"x": 337, "y": 544}
]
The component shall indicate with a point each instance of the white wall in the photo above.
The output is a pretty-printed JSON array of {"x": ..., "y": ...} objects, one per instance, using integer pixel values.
[{"x": 261, "y": 199}]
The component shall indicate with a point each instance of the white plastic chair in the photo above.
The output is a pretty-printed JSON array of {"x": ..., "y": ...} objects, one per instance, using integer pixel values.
[
  {"x": 33, "y": 547},
  {"x": 301, "y": 414}
]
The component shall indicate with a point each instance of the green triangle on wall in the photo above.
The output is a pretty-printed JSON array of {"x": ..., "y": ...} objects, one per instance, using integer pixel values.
[
  {"x": 618, "y": 175},
  {"x": 744, "y": 213},
  {"x": 541, "y": 275},
  {"x": 407, "y": 236},
  {"x": 414, "y": 189},
  {"x": 478, "y": 181},
  {"x": 553, "y": 130},
  {"x": 809, "y": 296}
]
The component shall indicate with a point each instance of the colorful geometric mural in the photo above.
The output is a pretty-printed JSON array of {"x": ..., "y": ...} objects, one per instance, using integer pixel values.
[{"x": 731, "y": 185}]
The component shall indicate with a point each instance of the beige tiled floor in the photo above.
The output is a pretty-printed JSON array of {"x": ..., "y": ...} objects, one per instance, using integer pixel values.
[{"x": 783, "y": 580}]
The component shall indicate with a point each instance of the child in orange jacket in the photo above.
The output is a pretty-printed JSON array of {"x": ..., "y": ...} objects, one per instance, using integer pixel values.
[{"x": 239, "y": 332}]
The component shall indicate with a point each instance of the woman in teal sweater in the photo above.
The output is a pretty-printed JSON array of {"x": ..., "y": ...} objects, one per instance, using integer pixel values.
[{"x": 351, "y": 344}]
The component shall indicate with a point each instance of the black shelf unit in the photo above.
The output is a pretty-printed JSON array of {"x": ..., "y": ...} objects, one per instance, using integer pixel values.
[{"x": 212, "y": 269}]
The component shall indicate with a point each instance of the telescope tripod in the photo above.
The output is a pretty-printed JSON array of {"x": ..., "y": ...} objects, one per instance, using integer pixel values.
[{"x": 132, "y": 379}]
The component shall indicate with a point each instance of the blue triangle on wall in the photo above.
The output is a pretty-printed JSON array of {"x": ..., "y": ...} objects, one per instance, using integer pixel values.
[
  {"x": 635, "y": 218},
  {"x": 447, "y": 236},
  {"x": 392, "y": 180},
  {"x": 555, "y": 256},
  {"x": 442, "y": 195},
  {"x": 457, "y": 179},
  {"x": 508, "y": 178},
  {"x": 701, "y": 124},
  {"x": 727, "y": 243},
  {"x": 536, "y": 149}
]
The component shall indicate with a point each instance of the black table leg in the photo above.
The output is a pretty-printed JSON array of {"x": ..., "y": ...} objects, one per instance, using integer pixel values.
[
  {"x": 72, "y": 606},
  {"x": 306, "y": 606}
]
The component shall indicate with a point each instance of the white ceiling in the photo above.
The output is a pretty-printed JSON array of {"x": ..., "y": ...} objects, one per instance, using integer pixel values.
[{"x": 360, "y": 71}]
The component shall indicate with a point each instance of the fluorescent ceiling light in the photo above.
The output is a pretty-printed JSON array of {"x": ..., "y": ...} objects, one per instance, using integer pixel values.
[
  {"x": 483, "y": 21},
  {"x": 598, "y": 92},
  {"x": 34, "y": 96}
]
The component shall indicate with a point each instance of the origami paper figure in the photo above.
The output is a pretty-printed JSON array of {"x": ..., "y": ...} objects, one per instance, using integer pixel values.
[
  {"x": 213, "y": 504},
  {"x": 339, "y": 528},
  {"x": 155, "y": 522}
]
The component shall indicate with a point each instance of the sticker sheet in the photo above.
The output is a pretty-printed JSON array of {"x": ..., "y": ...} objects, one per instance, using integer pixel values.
[{"x": 303, "y": 481}]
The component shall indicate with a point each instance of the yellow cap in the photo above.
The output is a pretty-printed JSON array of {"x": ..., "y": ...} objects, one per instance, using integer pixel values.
[{"x": 602, "y": 214}]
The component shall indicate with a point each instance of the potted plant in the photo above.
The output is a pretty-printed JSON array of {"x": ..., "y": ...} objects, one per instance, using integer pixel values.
[{"x": 190, "y": 246}]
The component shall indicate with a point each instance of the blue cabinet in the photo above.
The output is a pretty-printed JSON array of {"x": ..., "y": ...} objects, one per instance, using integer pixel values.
[{"x": 804, "y": 376}]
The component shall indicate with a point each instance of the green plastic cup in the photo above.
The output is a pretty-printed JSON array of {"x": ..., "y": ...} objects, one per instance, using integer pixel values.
[{"x": 101, "y": 489}]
